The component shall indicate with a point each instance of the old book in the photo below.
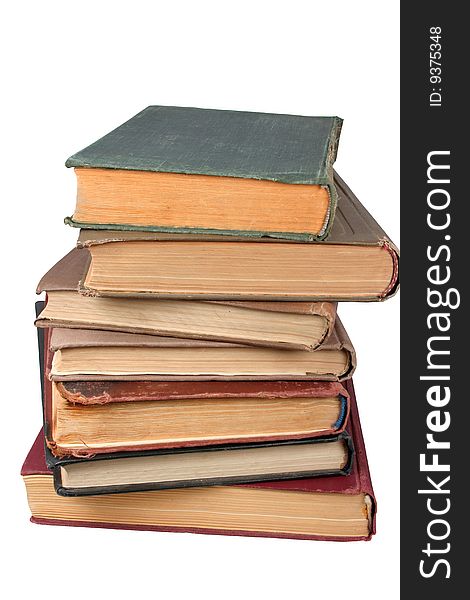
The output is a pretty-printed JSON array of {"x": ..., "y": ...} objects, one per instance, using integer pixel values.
[
  {"x": 213, "y": 421},
  {"x": 227, "y": 464},
  {"x": 153, "y": 414},
  {"x": 145, "y": 415},
  {"x": 324, "y": 508},
  {"x": 300, "y": 325},
  {"x": 79, "y": 355},
  {"x": 201, "y": 170},
  {"x": 357, "y": 262}
]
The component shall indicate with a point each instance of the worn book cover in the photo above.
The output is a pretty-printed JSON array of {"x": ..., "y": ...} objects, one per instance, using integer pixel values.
[
  {"x": 225, "y": 162},
  {"x": 92, "y": 355},
  {"x": 162, "y": 464},
  {"x": 146, "y": 415},
  {"x": 182, "y": 418},
  {"x": 218, "y": 411},
  {"x": 297, "y": 325},
  {"x": 323, "y": 508},
  {"x": 108, "y": 392}
]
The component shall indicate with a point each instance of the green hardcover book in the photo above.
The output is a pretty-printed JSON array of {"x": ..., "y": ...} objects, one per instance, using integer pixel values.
[{"x": 191, "y": 170}]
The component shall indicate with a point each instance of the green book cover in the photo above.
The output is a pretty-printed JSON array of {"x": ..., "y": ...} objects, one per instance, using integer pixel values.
[{"x": 274, "y": 147}]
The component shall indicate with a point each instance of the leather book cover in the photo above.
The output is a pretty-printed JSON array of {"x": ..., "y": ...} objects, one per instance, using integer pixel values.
[
  {"x": 357, "y": 482},
  {"x": 287, "y": 149},
  {"x": 82, "y": 338}
]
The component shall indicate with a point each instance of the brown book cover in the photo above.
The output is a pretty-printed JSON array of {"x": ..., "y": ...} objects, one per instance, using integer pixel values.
[
  {"x": 101, "y": 511},
  {"x": 283, "y": 421},
  {"x": 106, "y": 392},
  {"x": 227, "y": 323},
  {"x": 63, "y": 339},
  {"x": 96, "y": 393},
  {"x": 89, "y": 397},
  {"x": 355, "y": 235}
]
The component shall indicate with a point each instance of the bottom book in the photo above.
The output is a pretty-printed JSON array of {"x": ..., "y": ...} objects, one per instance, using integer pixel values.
[{"x": 339, "y": 508}]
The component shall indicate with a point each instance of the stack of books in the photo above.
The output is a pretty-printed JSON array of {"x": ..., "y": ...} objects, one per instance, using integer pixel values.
[{"x": 195, "y": 374}]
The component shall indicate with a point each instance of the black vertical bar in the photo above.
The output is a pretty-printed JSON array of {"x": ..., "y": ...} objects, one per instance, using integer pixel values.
[{"x": 435, "y": 439}]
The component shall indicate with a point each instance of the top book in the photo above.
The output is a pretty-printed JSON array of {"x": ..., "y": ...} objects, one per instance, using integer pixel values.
[{"x": 190, "y": 170}]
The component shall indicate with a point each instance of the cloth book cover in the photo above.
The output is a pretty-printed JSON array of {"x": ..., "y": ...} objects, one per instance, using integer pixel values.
[{"x": 284, "y": 149}]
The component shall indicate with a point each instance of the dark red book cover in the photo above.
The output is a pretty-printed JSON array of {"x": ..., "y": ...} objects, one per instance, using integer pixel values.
[{"x": 357, "y": 482}]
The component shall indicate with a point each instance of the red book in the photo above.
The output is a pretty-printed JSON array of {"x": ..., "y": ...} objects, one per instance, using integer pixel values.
[{"x": 323, "y": 508}]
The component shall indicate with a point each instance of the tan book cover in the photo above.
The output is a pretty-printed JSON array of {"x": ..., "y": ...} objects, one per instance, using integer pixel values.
[
  {"x": 104, "y": 355},
  {"x": 297, "y": 325}
]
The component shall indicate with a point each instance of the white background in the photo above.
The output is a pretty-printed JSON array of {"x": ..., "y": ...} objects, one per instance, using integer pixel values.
[{"x": 71, "y": 73}]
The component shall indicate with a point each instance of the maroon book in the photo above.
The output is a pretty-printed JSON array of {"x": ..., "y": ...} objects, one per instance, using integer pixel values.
[
  {"x": 322, "y": 508},
  {"x": 80, "y": 397}
]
